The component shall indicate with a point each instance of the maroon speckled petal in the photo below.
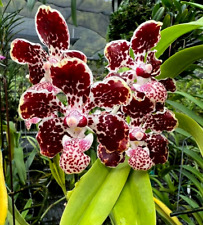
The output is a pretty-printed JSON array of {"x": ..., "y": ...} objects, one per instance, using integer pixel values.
[
  {"x": 110, "y": 159},
  {"x": 52, "y": 29},
  {"x": 24, "y": 52},
  {"x": 117, "y": 54},
  {"x": 111, "y": 130},
  {"x": 161, "y": 121},
  {"x": 75, "y": 54},
  {"x": 49, "y": 137},
  {"x": 139, "y": 159},
  {"x": 157, "y": 145},
  {"x": 74, "y": 77},
  {"x": 38, "y": 102},
  {"x": 128, "y": 76},
  {"x": 145, "y": 37},
  {"x": 73, "y": 160},
  {"x": 169, "y": 84},
  {"x": 154, "y": 90},
  {"x": 137, "y": 109},
  {"x": 156, "y": 63},
  {"x": 112, "y": 91}
]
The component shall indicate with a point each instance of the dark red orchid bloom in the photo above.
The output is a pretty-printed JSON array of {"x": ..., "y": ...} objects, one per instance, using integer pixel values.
[{"x": 146, "y": 109}]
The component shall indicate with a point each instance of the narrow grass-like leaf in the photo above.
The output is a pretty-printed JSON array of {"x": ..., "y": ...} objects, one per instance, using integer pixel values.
[
  {"x": 193, "y": 204},
  {"x": 185, "y": 110},
  {"x": 190, "y": 97},
  {"x": 57, "y": 172},
  {"x": 192, "y": 127},
  {"x": 178, "y": 62},
  {"x": 194, "y": 171},
  {"x": 27, "y": 205},
  {"x": 193, "y": 180},
  {"x": 20, "y": 165},
  {"x": 193, "y": 4},
  {"x": 19, "y": 220},
  {"x": 170, "y": 34}
]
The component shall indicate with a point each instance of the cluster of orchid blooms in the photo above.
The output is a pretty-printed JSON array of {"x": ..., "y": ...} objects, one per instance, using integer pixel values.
[{"x": 130, "y": 114}]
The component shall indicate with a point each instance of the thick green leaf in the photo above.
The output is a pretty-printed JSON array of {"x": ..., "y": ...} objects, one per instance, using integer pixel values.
[
  {"x": 192, "y": 127},
  {"x": 20, "y": 165},
  {"x": 84, "y": 192},
  {"x": 1, "y": 4},
  {"x": 170, "y": 34},
  {"x": 135, "y": 205},
  {"x": 74, "y": 12},
  {"x": 95, "y": 194},
  {"x": 193, "y": 4},
  {"x": 178, "y": 62},
  {"x": 185, "y": 110},
  {"x": 190, "y": 97}
]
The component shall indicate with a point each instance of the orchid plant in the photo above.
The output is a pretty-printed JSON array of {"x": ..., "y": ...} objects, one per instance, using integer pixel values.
[{"x": 126, "y": 111}]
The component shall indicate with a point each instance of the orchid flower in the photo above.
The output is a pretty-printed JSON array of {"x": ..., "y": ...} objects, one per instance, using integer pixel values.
[
  {"x": 53, "y": 32},
  {"x": 63, "y": 128},
  {"x": 148, "y": 116}
]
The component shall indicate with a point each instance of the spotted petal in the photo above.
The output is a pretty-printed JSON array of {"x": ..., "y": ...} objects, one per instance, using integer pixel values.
[
  {"x": 49, "y": 136},
  {"x": 75, "y": 54},
  {"x": 111, "y": 130},
  {"x": 25, "y": 52},
  {"x": 108, "y": 93},
  {"x": 128, "y": 76},
  {"x": 145, "y": 37},
  {"x": 74, "y": 78},
  {"x": 157, "y": 145},
  {"x": 110, "y": 159},
  {"x": 52, "y": 29},
  {"x": 169, "y": 84},
  {"x": 39, "y": 102},
  {"x": 73, "y": 160},
  {"x": 117, "y": 54},
  {"x": 161, "y": 121},
  {"x": 138, "y": 109},
  {"x": 154, "y": 90},
  {"x": 139, "y": 158}
]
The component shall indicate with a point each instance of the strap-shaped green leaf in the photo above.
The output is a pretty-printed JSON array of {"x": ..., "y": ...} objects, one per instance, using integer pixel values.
[
  {"x": 187, "y": 111},
  {"x": 178, "y": 62},
  {"x": 95, "y": 195},
  {"x": 135, "y": 205},
  {"x": 192, "y": 127},
  {"x": 20, "y": 164},
  {"x": 19, "y": 220},
  {"x": 190, "y": 97},
  {"x": 170, "y": 34},
  {"x": 193, "y": 4}
]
